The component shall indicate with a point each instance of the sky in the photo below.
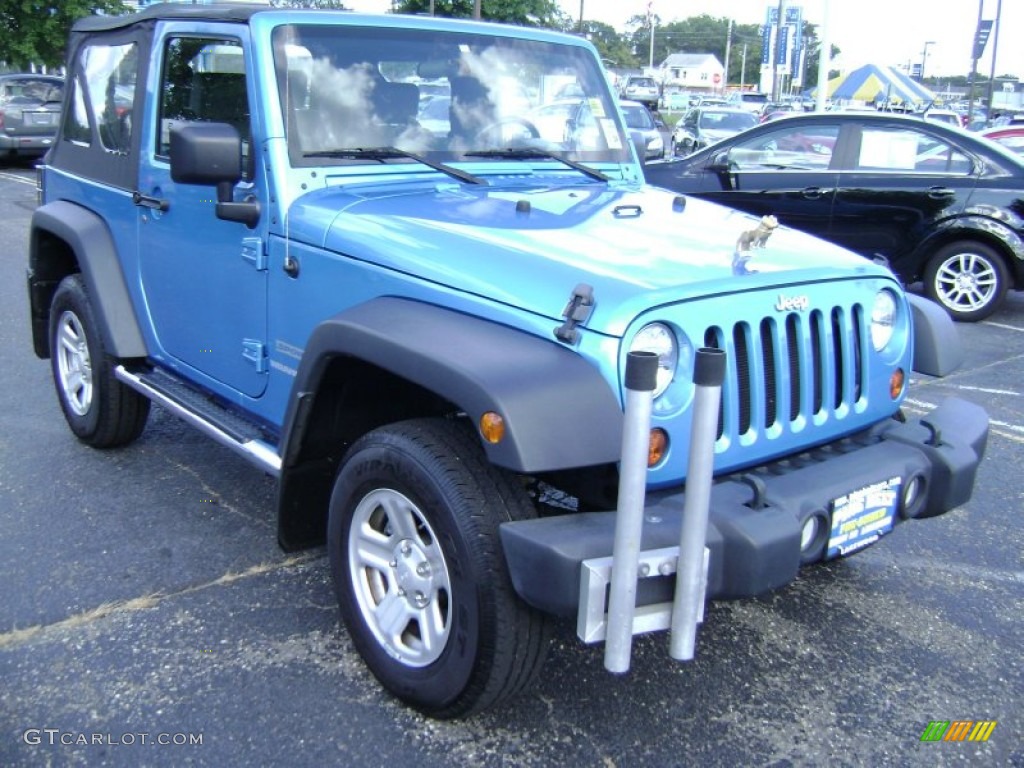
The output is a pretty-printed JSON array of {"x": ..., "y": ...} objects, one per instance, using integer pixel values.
[{"x": 884, "y": 32}]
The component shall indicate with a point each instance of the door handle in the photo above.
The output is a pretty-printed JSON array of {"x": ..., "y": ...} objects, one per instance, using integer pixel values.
[
  {"x": 940, "y": 193},
  {"x": 145, "y": 201},
  {"x": 813, "y": 193}
]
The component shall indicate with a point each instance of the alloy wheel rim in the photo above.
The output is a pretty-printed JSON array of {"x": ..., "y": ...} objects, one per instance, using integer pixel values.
[
  {"x": 400, "y": 578},
  {"x": 74, "y": 363},
  {"x": 966, "y": 282}
]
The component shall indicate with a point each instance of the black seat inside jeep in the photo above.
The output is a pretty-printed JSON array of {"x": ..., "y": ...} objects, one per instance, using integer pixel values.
[
  {"x": 220, "y": 97},
  {"x": 396, "y": 103}
]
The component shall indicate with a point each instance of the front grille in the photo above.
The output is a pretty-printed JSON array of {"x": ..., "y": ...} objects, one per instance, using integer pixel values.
[{"x": 789, "y": 368}]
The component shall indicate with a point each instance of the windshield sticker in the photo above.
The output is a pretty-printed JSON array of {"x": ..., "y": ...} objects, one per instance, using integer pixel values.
[{"x": 611, "y": 133}]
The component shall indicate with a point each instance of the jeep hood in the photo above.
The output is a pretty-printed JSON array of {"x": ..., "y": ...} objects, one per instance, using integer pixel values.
[{"x": 528, "y": 246}]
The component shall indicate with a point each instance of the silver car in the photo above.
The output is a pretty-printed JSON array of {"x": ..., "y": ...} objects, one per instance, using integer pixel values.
[
  {"x": 642, "y": 89},
  {"x": 644, "y": 128},
  {"x": 30, "y": 109}
]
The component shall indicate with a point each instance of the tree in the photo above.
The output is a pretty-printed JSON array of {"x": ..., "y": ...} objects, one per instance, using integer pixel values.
[
  {"x": 527, "y": 13},
  {"x": 35, "y": 33},
  {"x": 813, "y": 48},
  {"x": 613, "y": 47}
]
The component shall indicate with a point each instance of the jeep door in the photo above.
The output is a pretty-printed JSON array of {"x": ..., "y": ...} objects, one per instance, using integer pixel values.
[{"x": 204, "y": 279}]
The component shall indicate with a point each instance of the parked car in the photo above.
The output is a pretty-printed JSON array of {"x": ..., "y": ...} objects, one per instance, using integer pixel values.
[
  {"x": 702, "y": 126},
  {"x": 643, "y": 125},
  {"x": 642, "y": 89},
  {"x": 947, "y": 116},
  {"x": 752, "y": 101},
  {"x": 1011, "y": 136},
  {"x": 938, "y": 204},
  {"x": 30, "y": 108}
]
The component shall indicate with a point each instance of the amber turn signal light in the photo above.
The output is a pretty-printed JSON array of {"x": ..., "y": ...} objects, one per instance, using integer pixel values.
[
  {"x": 896, "y": 383},
  {"x": 492, "y": 427},
  {"x": 656, "y": 446}
]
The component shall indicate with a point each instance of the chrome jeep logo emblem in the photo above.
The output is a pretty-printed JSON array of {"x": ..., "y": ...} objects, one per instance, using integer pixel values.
[{"x": 789, "y": 303}]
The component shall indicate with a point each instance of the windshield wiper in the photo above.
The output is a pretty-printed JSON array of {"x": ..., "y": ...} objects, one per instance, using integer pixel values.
[
  {"x": 538, "y": 154},
  {"x": 389, "y": 153}
]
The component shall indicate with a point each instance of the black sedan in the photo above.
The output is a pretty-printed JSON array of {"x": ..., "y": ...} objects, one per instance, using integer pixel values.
[{"x": 938, "y": 204}]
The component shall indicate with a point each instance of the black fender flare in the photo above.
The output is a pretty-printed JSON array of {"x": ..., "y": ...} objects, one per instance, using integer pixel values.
[
  {"x": 89, "y": 238},
  {"x": 559, "y": 411}
]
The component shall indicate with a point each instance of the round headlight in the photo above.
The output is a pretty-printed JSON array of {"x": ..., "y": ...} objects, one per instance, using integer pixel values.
[
  {"x": 883, "y": 319},
  {"x": 659, "y": 339}
]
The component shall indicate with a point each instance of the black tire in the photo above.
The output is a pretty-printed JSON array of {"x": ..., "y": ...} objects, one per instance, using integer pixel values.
[
  {"x": 413, "y": 527},
  {"x": 968, "y": 279},
  {"x": 101, "y": 411}
]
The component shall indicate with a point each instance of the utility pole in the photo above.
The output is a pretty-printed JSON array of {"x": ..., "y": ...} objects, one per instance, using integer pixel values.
[
  {"x": 975, "y": 55},
  {"x": 824, "y": 58},
  {"x": 743, "y": 69},
  {"x": 995, "y": 50},
  {"x": 476, "y": 9},
  {"x": 581, "y": 17},
  {"x": 728, "y": 45},
  {"x": 924, "y": 58},
  {"x": 776, "y": 85},
  {"x": 650, "y": 18}
]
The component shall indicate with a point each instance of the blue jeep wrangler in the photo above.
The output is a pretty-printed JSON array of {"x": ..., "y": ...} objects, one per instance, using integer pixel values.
[{"x": 391, "y": 262}]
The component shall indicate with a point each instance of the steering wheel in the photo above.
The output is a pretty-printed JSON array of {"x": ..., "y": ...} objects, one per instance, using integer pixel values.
[{"x": 495, "y": 128}]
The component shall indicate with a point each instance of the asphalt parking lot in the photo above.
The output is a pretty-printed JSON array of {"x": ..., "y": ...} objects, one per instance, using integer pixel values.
[{"x": 149, "y": 618}]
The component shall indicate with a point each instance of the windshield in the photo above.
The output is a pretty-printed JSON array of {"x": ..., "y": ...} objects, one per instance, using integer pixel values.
[
  {"x": 638, "y": 117},
  {"x": 440, "y": 93}
]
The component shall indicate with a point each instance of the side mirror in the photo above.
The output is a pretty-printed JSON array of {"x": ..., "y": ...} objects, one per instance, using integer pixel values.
[
  {"x": 211, "y": 154},
  {"x": 719, "y": 161}
]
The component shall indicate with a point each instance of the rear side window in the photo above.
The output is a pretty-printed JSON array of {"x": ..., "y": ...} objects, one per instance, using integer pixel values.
[
  {"x": 105, "y": 98},
  {"x": 909, "y": 150}
]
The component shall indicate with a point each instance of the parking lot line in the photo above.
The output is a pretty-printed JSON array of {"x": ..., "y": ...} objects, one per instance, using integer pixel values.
[
  {"x": 1004, "y": 326},
  {"x": 19, "y": 179},
  {"x": 18, "y": 636},
  {"x": 1013, "y": 432},
  {"x": 987, "y": 391}
]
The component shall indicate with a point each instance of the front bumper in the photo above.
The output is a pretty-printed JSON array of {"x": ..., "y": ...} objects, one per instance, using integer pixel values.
[{"x": 756, "y": 517}]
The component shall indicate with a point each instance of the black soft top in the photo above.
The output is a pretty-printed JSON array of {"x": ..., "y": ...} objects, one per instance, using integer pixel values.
[{"x": 172, "y": 11}]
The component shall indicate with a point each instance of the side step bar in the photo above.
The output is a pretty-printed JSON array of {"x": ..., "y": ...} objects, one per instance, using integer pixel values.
[{"x": 231, "y": 431}]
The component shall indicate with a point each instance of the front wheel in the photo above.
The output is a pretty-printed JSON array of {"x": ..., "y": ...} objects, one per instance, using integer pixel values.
[
  {"x": 969, "y": 280},
  {"x": 419, "y": 571},
  {"x": 99, "y": 409}
]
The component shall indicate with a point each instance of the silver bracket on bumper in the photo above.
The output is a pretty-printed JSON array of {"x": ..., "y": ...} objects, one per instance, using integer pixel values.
[{"x": 595, "y": 577}]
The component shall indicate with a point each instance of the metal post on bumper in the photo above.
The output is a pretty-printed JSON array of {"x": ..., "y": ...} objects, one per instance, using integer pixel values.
[
  {"x": 688, "y": 605},
  {"x": 641, "y": 377}
]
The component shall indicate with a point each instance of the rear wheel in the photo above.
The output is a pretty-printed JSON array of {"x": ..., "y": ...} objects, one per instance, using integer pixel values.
[
  {"x": 968, "y": 278},
  {"x": 100, "y": 410},
  {"x": 419, "y": 570}
]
